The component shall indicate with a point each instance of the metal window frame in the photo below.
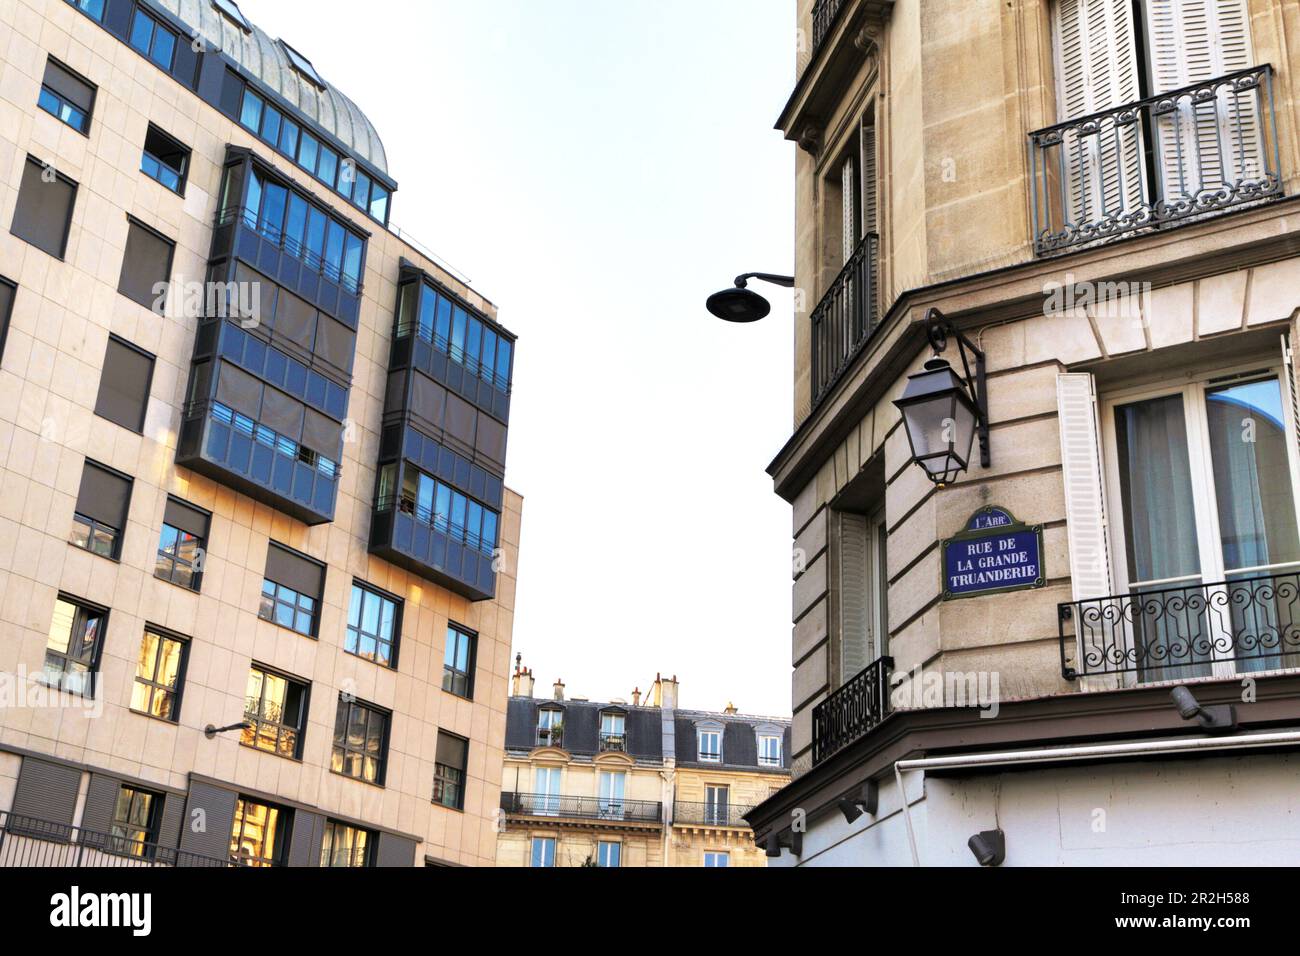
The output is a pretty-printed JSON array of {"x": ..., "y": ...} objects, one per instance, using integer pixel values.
[
  {"x": 179, "y": 690},
  {"x": 346, "y": 704},
  {"x": 84, "y": 610},
  {"x": 396, "y": 641},
  {"x": 472, "y": 660},
  {"x": 257, "y": 720}
]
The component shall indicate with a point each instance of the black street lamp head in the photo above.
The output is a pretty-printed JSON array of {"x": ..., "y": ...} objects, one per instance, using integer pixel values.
[
  {"x": 738, "y": 305},
  {"x": 940, "y": 419}
]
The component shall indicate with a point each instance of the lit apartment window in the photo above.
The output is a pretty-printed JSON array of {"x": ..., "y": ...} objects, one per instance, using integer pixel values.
[
  {"x": 543, "y": 851},
  {"x": 43, "y": 214},
  {"x": 124, "y": 385},
  {"x": 609, "y": 853},
  {"x": 67, "y": 96},
  {"x": 159, "y": 673},
  {"x": 613, "y": 732},
  {"x": 458, "y": 662},
  {"x": 260, "y": 834},
  {"x": 232, "y": 11},
  {"x": 717, "y": 858},
  {"x": 769, "y": 751},
  {"x": 374, "y": 621},
  {"x": 360, "y": 741},
  {"x": 134, "y": 830},
  {"x": 449, "y": 771},
  {"x": 100, "y": 519},
  {"x": 291, "y": 590},
  {"x": 165, "y": 160},
  {"x": 153, "y": 39},
  {"x": 710, "y": 749},
  {"x": 346, "y": 846},
  {"x": 146, "y": 266},
  {"x": 92, "y": 8},
  {"x": 275, "y": 707},
  {"x": 550, "y": 727},
  {"x": 181, "y": 545},
  {"x": 73, "y": 647}
]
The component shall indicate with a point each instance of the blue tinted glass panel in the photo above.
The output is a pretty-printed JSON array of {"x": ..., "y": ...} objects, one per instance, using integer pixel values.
[
  {"x": 474, "y": 521},
  {"x": 428, "y": 305},
  {"x": 334, "y": 249},
  {"x": 424, "y": 503},
  {"x": 289, "y": 137},
  {"x": 443, "y": 328},
  {"x": 352, "y": 260},
  {"x": 250, "y": 116},
  {"x": 489, "y": 357},
  {"x": 309, "y": 154},
  {"x": 489, "y": 530},
  {"x": 164, "y": 45},
  {"x": 361, "y": 191},
  {"x": 458, "y": 334},
  {"x": 443, "y": 510},
  {"x": 329, "y": 164},
  {"x": 273, "y": 211},
  {"x": 254, "y": 196},
  {"x": 94, "y": 8},
  {"x": 458, "y": 514},
  {"x": 141, "y": 32},
  {"x": 271, "y": 125},
  {"x": 379, "y": 202},
  {"x": 315, "y": 235},
  {"x": 503, "y": 363},
  {"x": 295, "y": 223},
  {"x": 473, "y": 340}
]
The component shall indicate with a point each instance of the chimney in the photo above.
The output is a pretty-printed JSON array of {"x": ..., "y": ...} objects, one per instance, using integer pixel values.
[
  {"x": 521, "y": 685},
  {"x": 559, "y": 690},
  {"x": 664, "y": 693},
  {"x": 636, "y": 697},
  {"x": 730, "y": 708}
]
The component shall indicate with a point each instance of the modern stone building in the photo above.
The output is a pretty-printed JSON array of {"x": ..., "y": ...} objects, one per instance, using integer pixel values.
[
  {"x": 639, "y": 784},
  {"x": 253, "y": 465},
  {"x": 1090, "y": 205}
]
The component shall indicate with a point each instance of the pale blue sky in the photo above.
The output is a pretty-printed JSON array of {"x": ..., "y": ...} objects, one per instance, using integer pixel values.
[{"x": 597, "y": 168}]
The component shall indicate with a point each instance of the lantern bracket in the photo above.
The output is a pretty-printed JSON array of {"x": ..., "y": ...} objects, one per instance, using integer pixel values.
[{"x": 940, "y": 330}]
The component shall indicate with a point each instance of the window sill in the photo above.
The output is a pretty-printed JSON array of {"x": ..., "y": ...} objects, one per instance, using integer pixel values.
[
  {"x": 170, "y": 722},
  {"x": 183, "y": 587},
  {"x": 452, "y": 693},
  {"x": 361, "y": 657},
  {"x": 348, "y": 776},
  {"x": 444, "y": 806},
  {"x": 310, "y": 637},
  {"x": 114, "y": 560},
  {"x": 269, "y": 753}
]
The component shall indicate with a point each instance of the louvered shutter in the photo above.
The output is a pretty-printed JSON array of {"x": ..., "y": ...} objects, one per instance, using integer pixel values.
[
  {"x": 855, "y": 603},
  {"x": 1203, "y": 146},
  {"x": 1081, "y": 464},
  {"x": 849, "y": 191},
  {"x": 870, "y": 214},
  {"x": 1097, "y": 70}
]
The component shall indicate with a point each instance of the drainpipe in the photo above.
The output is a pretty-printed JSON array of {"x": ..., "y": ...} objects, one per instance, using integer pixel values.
[{"x": 1145, "y": 748}]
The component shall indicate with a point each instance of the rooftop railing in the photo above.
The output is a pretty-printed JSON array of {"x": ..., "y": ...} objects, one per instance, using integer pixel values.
[{"x": 585, "y": 808}]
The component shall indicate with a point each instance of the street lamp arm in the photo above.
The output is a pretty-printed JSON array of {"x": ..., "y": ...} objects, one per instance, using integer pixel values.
[
  {"x": 939, "y": 330},
  {"x": 786, "y": 282}
]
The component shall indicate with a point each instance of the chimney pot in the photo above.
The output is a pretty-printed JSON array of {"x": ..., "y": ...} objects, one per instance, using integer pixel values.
[{"x": 559, "y": 690}]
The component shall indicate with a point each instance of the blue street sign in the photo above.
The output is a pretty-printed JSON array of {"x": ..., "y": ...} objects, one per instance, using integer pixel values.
[{"x": 994, "y": 554}]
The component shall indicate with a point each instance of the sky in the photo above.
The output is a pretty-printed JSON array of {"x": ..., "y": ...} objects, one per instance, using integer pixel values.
[{"x": 597, "y": 168}]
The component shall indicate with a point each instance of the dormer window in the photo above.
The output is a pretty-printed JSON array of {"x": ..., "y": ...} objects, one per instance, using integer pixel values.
[
  {"x": 769, "y": 751},
  {"x": 710, "y": 746},
  {"x": 302, "y": 65},
  {"x": 613, "y": 733},
  {"x": 231, "y": 11},
  {"x": 550, "y": 727}
]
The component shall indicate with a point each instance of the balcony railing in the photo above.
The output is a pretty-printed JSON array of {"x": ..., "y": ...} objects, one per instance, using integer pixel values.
[
  {"x": 1200, "y": 149},
  {"x": 613, "y": 743},
  {"x": 845, "y": 317},
  {"x": 852, "y": 711},
  {"x": 583, "y": 808},
  {"x": 1180, "y": 633},
  {"x": 824, "y": 15},
  {"x": 29, "y": 842},
  {"x": 709, "y": 814}
]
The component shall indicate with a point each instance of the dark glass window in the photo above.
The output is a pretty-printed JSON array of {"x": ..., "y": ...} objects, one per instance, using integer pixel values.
[
  {"x": 72, "y": 649},
  {"x": 379, "y": 203},
  {"x": 328, "y": 169},
  {"x": 165, "y": 159},
  {"x": 146, "y": 266},
  {"x": 449, "y": 771},
  {"x": 309, "y": 153},
  {"x": 67, "y": 96},
  {"x": 135, "y": 822},
  {"x": 260, "y": 834},
  {"x": 458, "y": 662},
  {"x": 250, "y": 113},
  {"x": 124, "y": 385},
  {"x": 302, "y": 65},
  {"x": 231, "y": 10},
  {"x": 92, "y": 8},
  {"x": 159, "y": 673},
  {"x": 8, "y": 292},
  {"x": 374, "y": 622},
  {"x": 466, "y": 339},
  {"x": 447, "y": 510},
  {"x": 346, "y": 846},
  {"x": 360, "y": 741},
  {"x": 153, "y": 39},
  {"x": 181, "y": 545},
  {"x": 275, "y": 706},
  {"x": 100, "y": 518},
  {"x": 43, "y": 214},
  {"x": 291, "y": 590}
]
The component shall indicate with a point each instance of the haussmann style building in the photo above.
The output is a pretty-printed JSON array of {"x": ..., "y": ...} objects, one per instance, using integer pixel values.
[
  {"x": 1044, "y": 460},
  {"x": 256, "y": 552},
  {"x": 640, "y": 784}
]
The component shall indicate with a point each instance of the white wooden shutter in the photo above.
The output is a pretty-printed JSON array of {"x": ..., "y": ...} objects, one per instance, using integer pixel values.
[
  {"x": 1084, "y": 506},
  {"x": 1097, "y": 70},
  {"x": 1203, "y": 146},
  {"x": 869, "y": 215},
  {"x": 855, "y": 597},
  {"x": 849, "y": 190}
]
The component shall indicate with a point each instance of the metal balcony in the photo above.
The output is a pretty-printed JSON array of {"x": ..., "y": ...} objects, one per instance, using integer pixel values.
[
  {"x": 853, "y": 711},
  {"x": 1181, "y": 633},
  {"x": 613, "y": 743},
  {"x": 845, "y": 318},
  {"x": 581, "y": 808},
  {"x": 1202, "y": 149},
  {"x": 825, "y": 13},
  {"x": 30, "y": 842},
  {"x": 709, "y": 814}
]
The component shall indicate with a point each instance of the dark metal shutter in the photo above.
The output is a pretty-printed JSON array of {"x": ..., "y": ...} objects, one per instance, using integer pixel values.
[
  {"x": 101, "y": 800},
  {"x": 45, "y": 799},
  {"x": 305, "y": 841},
  {"x": 294, "y": 571},
  {"x": 785, "y": 748},
  {"x": 44, "y": 210},
  {"x": 322, "y": 434},
  {"x": 6, "y": 308},
  {"x": 238, "y": 390},
  {"x": 208, "y": 833},
  {"x": 69, "y": 86},
  {"x": 104, "y": 495},
  {"x": 187, "y": 518},
  {"x": 461, "y": 419},
  {"x": 452, "y": 750},
  {"x": 282, "y": 414},
  {"x": 124, "y": 385},
  {"x": 393, "y": 851},
  {"x": 147, "y": 261},
  {"x": 428, "y": 399},
  {"x": 490, "y": 442},
  {"x": 335, "y": 343},
  {"x": 295, "y": 320}
]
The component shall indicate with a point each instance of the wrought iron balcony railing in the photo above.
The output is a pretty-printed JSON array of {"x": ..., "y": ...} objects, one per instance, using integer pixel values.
[
  {"x": 1201, "y": 149},
  {"x": 824, "y": 15},
  {"x": 709, "y": 814},
  {"x": 845, "y": 317},
  {"x": 583, "y": 808},
  {"x": 1180, "y": 633},
  {"x": 852, "y": 711},
  {"x": 30, "y": 842},
  {"x": 613, "y": 743}
]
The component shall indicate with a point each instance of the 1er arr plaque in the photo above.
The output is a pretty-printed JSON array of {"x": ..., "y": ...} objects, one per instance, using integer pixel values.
[{"x": 994, "y": 554}]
